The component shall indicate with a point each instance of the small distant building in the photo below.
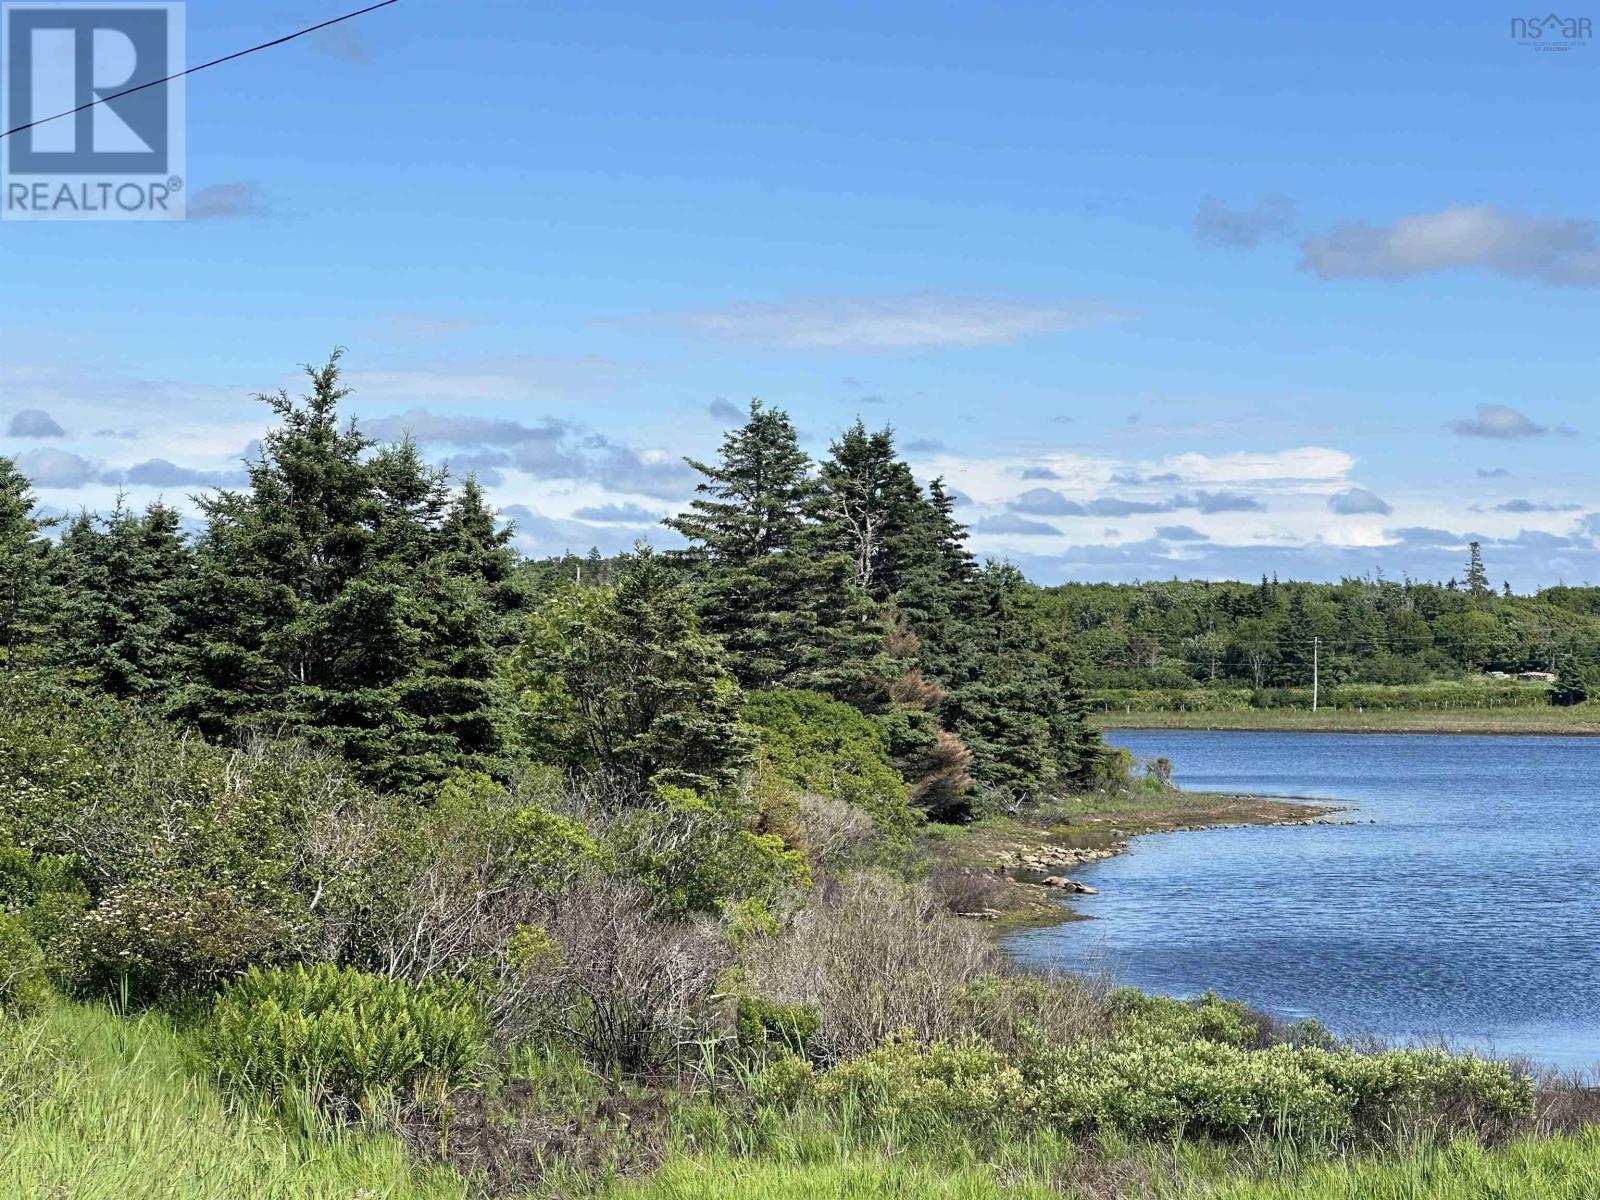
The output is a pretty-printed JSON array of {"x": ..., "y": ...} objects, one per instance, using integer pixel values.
[{"x": 1537, "y": 676}]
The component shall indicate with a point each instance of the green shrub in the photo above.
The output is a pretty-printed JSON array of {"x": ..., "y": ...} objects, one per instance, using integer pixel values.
[
  {"x": 198, "y": 859},
  {"x": 695, "y": 854},
  {"x": 829, "y": 748},
  {"x": 1161, "y": 1084},
  {"x": 761, "y": 1023},
  {"x": 548, "y": 847},
  {"x": 1161, "y": 1017},
  {"x": 341, "y": 1033},
  {"x": 24, "y": 988},
  {"x": 48, "y": 899}
]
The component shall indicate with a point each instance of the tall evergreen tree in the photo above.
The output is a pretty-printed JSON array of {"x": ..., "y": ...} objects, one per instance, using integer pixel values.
[
  {"x": 478, "y": 547},
  {"x": 26, "y": 593},
  {"x": 872, "y": 510},
  {"x": 1016, "y": 706},
  {"x": 122, "y": 576},
  {"x": 329, "y": 599},
  {"x": 781, "y": 599},
  {"x": 1477, "y": 580},
  {"x": 936, "y": 593}
]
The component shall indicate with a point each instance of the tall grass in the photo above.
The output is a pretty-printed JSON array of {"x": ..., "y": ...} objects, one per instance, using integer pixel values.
[
  {"x": 1529, "y": 1169},
  {"x": 128, "y": 1117},
  {"x": 861, "y": 1179},
  {"x": 1556, "y": 1169}
]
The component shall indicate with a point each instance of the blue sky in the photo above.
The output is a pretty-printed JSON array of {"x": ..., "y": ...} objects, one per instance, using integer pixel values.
[{"x": 1160, "y": 291}]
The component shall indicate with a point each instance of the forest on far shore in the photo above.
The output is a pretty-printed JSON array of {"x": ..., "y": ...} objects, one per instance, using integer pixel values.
[{"x": 1270, "y": 636}]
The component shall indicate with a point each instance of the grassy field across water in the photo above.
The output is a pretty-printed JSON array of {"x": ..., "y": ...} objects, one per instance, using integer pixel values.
[{"x": 1549, "y": 720}]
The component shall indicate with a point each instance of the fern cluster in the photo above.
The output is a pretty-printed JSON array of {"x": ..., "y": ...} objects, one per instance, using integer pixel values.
[{"x": 340, "y": 1033}]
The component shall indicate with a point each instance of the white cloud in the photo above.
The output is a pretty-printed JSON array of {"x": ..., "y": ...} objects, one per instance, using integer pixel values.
[
  {"x": 511, "y": 379},
  {"x": 887, "y": 323},
  {"x": 50, "y": 468},
  {"x": 1551, "y": 250},
  {"x": 1302, "y": 463},
  {"x": 617, "y": 514},
  {"x": 1011, "y": 523}
]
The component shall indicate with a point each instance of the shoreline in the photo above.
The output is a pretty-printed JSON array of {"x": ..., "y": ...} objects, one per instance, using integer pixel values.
[{"x": 1032, "y": 860}]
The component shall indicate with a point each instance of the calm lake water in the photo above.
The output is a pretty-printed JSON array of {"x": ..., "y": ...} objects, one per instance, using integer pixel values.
[{"x": 1469, "y": 911}]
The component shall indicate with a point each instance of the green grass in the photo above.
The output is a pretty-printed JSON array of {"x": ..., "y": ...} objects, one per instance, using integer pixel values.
[
  {"x": 1555, "y": 1169},
  {"x": 127, "y": 1117},
  {"x": 862, "y": 1179}
]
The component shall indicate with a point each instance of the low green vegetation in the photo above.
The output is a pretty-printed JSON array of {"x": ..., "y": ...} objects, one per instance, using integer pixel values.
[
  {"x": 100, "y": 1105},
  {"x": 341, "y": 1035}
]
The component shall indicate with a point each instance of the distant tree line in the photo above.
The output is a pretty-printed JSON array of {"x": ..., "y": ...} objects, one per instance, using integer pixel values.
[{"x": 1373, "y": 630}]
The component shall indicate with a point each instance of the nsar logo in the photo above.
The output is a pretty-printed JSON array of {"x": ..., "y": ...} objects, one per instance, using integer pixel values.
[{"x": 1551, "y": 32}]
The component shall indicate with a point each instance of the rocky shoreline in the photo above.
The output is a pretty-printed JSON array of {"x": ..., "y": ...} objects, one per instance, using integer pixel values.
[{"x": 1036, "y": 864}]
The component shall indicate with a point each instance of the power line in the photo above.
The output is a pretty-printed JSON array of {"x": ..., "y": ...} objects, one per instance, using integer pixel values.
[{"x": 216, "y": 62}]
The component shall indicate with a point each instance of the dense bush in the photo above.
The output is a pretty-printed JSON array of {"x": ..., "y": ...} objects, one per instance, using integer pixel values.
[
  {"x": 836, "y": 835},
  {"x": 610, "y": 975},
  {"x": 341, "y": 1033},
  {"x": 47, "y": 898},
  {"x": 761, "y": 1023},
  {"x": 1210, "y": 1018},
  {"x": 148, "y": 855},
  {"x": 1152, "y": 1085},
  {"x": 828, "y": 748},
  {"x": 694, "y": 853},
  {"x": 622, "y": 678},
  {"x": 24, "y": 989}
]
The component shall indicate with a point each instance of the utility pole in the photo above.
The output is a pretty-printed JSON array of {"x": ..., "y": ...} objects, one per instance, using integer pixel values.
[{"x": 1316, "y": 655}]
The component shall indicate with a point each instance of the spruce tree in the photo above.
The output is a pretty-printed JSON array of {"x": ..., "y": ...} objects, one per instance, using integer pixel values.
[
  {"x": 1016, "y": 706},
  {"x": 26, "y": 594},
  {"x": 936, "y": 594},
  {"x": 122, "y": 576},
  {"x": 1572, "y": 683},
  {"x": 330, "y": 600},
  {"x": 871, "y": 508},
  {"x": 783, "y": 601},
  {"x": 1477, "y": 581},
  {"x": 478, "y": 547}
]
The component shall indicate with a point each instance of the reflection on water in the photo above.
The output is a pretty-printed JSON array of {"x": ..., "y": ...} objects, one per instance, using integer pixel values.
[{"x": 1470, "y": 910}]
